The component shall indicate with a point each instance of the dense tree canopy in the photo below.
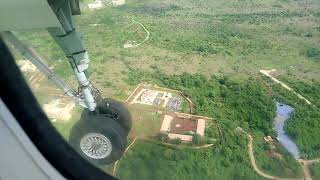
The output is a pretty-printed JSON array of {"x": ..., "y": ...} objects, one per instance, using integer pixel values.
[{"x": 245, "y": 103}]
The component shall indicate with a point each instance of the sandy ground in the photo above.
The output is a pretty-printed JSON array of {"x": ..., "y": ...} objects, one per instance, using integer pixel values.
[
  {"x": 26, "y": 66},
  {"x": 59, "y": 109}
]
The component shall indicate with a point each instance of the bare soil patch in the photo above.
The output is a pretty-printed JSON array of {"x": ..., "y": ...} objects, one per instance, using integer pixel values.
[
  {"x": 182, "y": 125},
  {"x": 59, "y": 109}
]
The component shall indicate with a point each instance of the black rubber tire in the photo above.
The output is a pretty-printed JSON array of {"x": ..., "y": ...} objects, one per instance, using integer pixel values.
[
  {"x": 124, "y": 117},
  {"x": 101, "y": 125}
]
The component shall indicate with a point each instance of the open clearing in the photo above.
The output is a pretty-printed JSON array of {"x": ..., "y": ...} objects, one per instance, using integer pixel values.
[
  {"x": 55, "y": 104},
  {"x": 156, "y": 110},
  {"x": 58, "y": 109}
]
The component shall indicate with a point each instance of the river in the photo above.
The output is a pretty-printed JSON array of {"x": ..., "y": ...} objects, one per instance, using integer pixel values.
[{"x": 283, "y": 114}]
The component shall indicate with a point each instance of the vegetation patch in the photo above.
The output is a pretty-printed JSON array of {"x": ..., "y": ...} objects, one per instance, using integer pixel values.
[
  {"x": 273, "y": 159},
  {"x": 315, "y": 170},
  {"x": 147, "y": 160}
]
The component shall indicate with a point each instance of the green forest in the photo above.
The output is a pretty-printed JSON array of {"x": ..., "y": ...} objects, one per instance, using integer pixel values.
[{"x": 247, "y": 103}]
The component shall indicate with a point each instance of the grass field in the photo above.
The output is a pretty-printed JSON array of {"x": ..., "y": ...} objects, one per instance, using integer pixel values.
[
  {"x": 220, "y": 40},
  {"x": 315, "y": 171},
  {"x": 234, "y": 37},
  {"x": 148, "y": 123}
]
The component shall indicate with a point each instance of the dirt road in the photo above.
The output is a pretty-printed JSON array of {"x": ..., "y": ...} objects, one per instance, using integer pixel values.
[
  {"x": 267, "y": 73},
  {"x": 116, "y": 163},
  {"x": 145, "y": 29},
  {"x": 305, "y": 166},
  {"x": 255, "y": 167},
  {"x": 253, "y": 161}
]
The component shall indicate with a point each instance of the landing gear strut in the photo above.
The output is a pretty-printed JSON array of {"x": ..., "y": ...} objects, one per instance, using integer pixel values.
[{"x": 101, "y": 134}]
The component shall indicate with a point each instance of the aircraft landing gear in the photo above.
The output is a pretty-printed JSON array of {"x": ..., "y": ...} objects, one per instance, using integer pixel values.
[{"x": 101, "y": 136}]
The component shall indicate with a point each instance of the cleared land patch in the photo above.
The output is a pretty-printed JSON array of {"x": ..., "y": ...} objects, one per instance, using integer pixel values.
[
  {"x": 159, "y": 107},
  {"x": 56, "y": 105},
  {"x": 157, "y": 96}
]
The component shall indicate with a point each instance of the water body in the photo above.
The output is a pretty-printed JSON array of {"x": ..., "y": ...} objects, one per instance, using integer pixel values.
[{"x": 283, "y": 114}]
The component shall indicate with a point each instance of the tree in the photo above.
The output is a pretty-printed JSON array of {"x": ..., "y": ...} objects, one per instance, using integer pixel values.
[
  {"x": 176, "y": 141},
  {"x": 197, "y": 139},
  {"x": 162, "y": 137}
]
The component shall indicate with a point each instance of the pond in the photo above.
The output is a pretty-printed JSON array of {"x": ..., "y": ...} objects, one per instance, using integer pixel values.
[{"x": 283, "y": 114}]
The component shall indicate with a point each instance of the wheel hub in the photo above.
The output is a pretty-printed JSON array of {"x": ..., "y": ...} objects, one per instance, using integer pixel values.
[{"x": 96, "y": 145}]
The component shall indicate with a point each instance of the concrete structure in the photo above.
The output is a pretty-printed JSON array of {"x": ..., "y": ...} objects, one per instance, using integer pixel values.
[
  {"x": 166, "y": 96},
  {"x": 178, "y": 124},
  {"x": 148, "y": 96},
  {"x": 166, "y": 123},
  {"x": 96, "y": 4},
  {"x": 268, "y": 138},
  {"x": 182, "y": 137},
  {"x": 118, "y": 2},
  {"x": 174, "y": 104},
  {"x": 201, "y": 127}
]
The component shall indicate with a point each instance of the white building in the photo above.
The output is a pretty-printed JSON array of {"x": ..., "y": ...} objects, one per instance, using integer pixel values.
[
  {"x": 96, "y": 5},
  {"x": 166, "y": 123},
  {"x": 118, "y": 2},
  {"x": 182, "y": 137},
  {"x": 201, "y": 127}
]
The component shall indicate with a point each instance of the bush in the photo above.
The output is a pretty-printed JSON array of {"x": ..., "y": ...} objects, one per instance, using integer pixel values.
[
  {"x": 197, "y": 140},
  {"x": 163, "y": 137},
  {"x": 312, "y": 53},
  {"x": 176, "y": 141}
]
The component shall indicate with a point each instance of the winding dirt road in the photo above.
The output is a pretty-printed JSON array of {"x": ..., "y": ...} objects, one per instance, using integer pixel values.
[
  {"x": 254, "y": 164},
  {"x": 145, "y": 29},
  {"x": 116, "y": 163},
  {"x": 305, "y": 166},
  {"x": 267, "y": 73}
]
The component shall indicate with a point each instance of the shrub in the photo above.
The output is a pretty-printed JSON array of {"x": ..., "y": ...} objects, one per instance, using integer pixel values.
[
  {"x": 176, "y": 141},
  {"x": 162, "y": 137},
  {"x": 197, "y": 139},
  {"x": 312, "y": 53}
]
